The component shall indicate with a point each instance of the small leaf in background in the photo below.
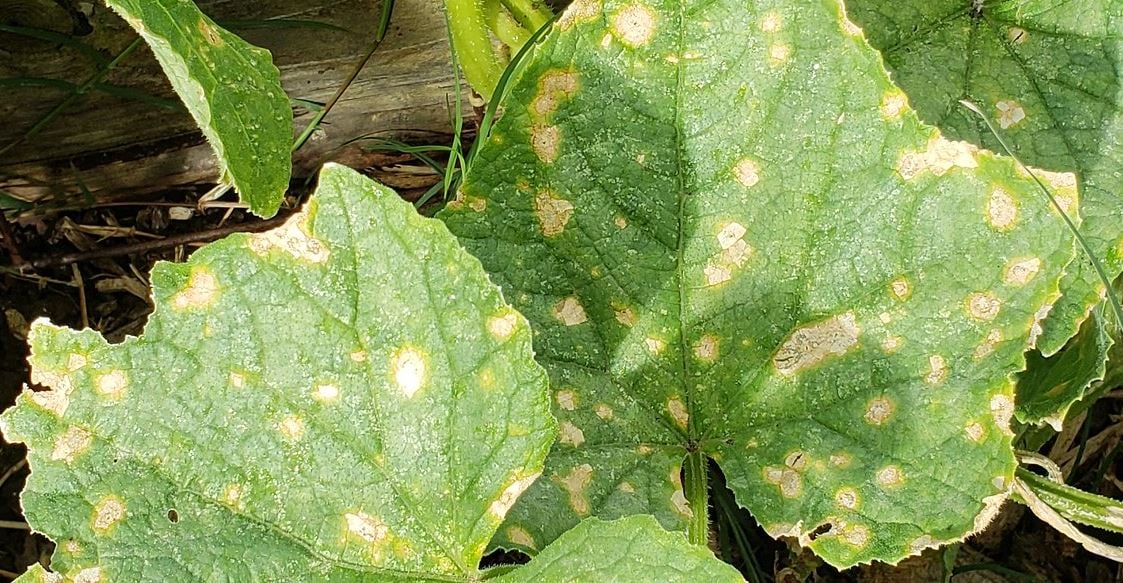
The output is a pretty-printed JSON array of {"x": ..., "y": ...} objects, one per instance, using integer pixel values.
[
  {"x": 735, "y": 240},
  {"x": 1050, "y": 385},
  {"x": 231, "y": 88},
  {"x": 1049, "y": 73}
]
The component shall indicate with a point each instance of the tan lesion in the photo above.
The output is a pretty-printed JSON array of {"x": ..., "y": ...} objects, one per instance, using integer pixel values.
[
  {"x": 575, "y": 483},
  {"x": 806, "y": 347},
  {"x": 294, "y": 238},
  {"x": 202, "y": 290},
  {"x": 553, "y": 213},
  {"x": 939, "y": 157},
  {"x": 580, "y": 11},
  {"x": 553, "y": 87},
  {"x": 634, "y": 24}
]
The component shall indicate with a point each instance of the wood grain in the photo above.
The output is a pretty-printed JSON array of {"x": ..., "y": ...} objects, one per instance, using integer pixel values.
[{"x": 118, "y": 148}]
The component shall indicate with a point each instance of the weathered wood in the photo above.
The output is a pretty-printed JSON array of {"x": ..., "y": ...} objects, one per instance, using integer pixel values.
[{"x": 114, "y": 147}]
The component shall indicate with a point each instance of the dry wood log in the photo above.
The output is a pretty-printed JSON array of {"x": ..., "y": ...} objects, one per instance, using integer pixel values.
[{"x": 111, "y": 147}]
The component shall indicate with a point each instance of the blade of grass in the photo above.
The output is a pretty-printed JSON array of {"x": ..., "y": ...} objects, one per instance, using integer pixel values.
[
  {"x": 1085, "y": 431},
  {"x": 137, "y": 95},
  {"x": 8, "y": 202},
  {"x": 58, "y": 38},
  {"x": 279, "y": 23},
  {"x": 728, "y": 508},
  {"x": 379, "y": 36},
  {"x": 74, "y": 96},
  {"x": 114, "y": 90},
  {"x": 418, "y": 152},
  {"x": 307, "y": 104},
  {"x": 455, "y": 159},
  {"x": 37, "y": 82},
  {"x": 429, "y": 194}
]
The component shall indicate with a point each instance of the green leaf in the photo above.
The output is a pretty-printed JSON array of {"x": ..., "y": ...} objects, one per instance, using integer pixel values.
[
  {"x": 734, "y": 239},
  {"x": 345, "y": 397},
  {"x": 231, "y": 88},
  {"x": 1049, "y": 72},
  {"x": 628, "y": 549},
  {"x": 37, "y": 574},
  {"x": 1050, "y": 385}
]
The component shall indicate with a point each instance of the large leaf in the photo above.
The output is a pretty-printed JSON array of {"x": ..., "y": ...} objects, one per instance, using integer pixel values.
[
  {"x": 1050, "y": 385},
  {"x": 231, "y": 88},
  {"x": 345, "y": 398},
  {"x": 734, "y": 239},
  {"x": 628, "y": 549},
  {"x": 1049, "y": 73}
]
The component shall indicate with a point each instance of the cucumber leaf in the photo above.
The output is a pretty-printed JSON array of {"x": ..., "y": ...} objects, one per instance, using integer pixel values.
[
  {"x": 1049, "y": 73},
  {"x": 628, "y": 549},
  {"x": 346, "y": 397},
  {"x": 735, "y": 240},
  {"x": 1051, "y": 385},
  {"x": 231, "y": 88}
]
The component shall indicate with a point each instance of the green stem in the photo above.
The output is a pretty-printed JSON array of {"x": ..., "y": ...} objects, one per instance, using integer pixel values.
[
  {"x": 505, "y": 27},
  {"x": 696, "y": 486},
  {"x": 530, "y": 13},
  {"x": 1074, "y": 504},
  {"x": 471, "y": 41}
]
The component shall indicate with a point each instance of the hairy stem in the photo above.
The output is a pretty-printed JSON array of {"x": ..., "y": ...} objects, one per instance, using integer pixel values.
[
  {"x": 505, "y": 27},
  {"x": 471, "y": 40},
  {"x": 696, "y": 486},
  {"x": 531, "y": 14}
]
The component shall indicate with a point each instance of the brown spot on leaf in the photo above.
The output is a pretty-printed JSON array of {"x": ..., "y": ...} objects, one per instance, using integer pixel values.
[
  {"x": 810, "y": 345},
  {"x": 553, "y": 213},
  {"x": 575, "y": 484}
]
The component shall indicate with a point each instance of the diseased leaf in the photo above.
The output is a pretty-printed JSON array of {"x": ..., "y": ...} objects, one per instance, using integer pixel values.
[
  {"x": 1050, "y": 385},
  {"x": 345, "y": 398},
  {"x": 1049, "y": 73},
  {"x": 734, "y": 239},
  {"x": 231, "y": 88},
  {"x": 37, "y": 574},
  {"x": 628, "y": 549}
]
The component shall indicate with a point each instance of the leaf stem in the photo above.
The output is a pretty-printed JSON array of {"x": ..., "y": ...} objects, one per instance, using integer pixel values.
[
  {"x": 471, "y": 40},
  {"x": 531, "y": 14},
  {"x": 696, "y": 489}
]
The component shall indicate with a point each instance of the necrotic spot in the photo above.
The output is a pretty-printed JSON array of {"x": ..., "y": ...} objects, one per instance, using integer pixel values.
[{"x": 812, "y": 344}]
